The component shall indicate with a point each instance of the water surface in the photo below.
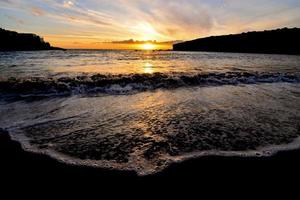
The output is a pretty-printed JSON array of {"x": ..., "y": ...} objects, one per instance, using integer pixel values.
[{"x": 143, "y": 111}]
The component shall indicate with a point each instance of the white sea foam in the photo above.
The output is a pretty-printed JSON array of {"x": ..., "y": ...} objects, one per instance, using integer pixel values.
[{"x": 148, "y": 131}]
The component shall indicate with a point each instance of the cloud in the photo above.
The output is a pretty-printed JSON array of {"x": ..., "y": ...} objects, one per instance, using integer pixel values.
[
  {"x": 37, "y": 11},
  {"x": 132, "y": 41},
  {"x": 6, "y": 1},
  {"x": 17, "y": 20},
  {"x": 68, "y": 4},
  {"x": 161, "y": 20},
  {"x": 178, "y": 19}
]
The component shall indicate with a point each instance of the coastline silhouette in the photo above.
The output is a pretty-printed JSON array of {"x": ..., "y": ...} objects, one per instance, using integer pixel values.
[
  {"x": 13, "y": 41},
  {"x": 279, "y": 41}
]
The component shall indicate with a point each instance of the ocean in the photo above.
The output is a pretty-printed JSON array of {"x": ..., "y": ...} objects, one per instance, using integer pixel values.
[{"x": 144, "y": 110}]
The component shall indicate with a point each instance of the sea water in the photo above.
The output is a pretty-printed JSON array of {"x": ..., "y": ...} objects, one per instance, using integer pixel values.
[{"x": 144, "y": 110}]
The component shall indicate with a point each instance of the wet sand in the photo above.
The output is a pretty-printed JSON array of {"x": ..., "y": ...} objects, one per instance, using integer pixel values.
[{"x": 19, "y": 167}]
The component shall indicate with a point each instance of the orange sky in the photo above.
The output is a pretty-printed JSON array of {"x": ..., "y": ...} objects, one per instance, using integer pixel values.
[
  {"x": 74, "y": 43},
  {"x": 95, "y": 23}
]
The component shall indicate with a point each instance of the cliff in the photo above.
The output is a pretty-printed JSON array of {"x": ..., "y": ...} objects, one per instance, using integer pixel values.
[
  {"x": 280, "y": 41},
  {"x": 13, "y": 41}
]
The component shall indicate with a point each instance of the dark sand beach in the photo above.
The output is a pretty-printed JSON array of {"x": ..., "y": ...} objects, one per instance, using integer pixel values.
[{"x": 19, "y": 167}]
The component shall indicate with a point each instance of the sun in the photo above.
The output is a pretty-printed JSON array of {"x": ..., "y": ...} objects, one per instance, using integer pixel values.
[{"x": 148, "y": 46}]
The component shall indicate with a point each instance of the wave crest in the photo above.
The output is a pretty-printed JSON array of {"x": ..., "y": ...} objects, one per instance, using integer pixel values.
[{"x": 126, "y": 84}]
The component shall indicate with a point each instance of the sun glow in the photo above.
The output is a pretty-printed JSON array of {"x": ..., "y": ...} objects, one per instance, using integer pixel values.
[{"x": 148, "y": 46}]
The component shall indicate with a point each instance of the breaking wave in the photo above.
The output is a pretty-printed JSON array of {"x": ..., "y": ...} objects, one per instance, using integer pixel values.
[{"x": 127, "y": 84}]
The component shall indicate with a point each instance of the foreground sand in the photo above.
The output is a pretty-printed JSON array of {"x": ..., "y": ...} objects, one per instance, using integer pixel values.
[{"x": 20, "y": 166}]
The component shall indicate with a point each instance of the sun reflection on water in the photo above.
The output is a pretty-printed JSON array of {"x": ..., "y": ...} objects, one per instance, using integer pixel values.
[{"x": 148, "y": 68}]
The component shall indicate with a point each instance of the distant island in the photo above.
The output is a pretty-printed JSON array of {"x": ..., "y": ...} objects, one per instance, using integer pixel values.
[
  {"x": 13, "y": 41},
  {"x": 280, "y": 41}
]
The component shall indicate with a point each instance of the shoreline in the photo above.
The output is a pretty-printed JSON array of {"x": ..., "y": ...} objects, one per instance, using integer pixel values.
[{"x": 21, "y": 165}]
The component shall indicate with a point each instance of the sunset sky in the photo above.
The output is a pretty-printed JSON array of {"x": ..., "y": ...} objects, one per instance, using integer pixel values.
[{"x": 119, "y": 23}]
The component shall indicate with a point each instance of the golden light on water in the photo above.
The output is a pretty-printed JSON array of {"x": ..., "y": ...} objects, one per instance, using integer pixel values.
[{"x": 148, "y": 68}]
